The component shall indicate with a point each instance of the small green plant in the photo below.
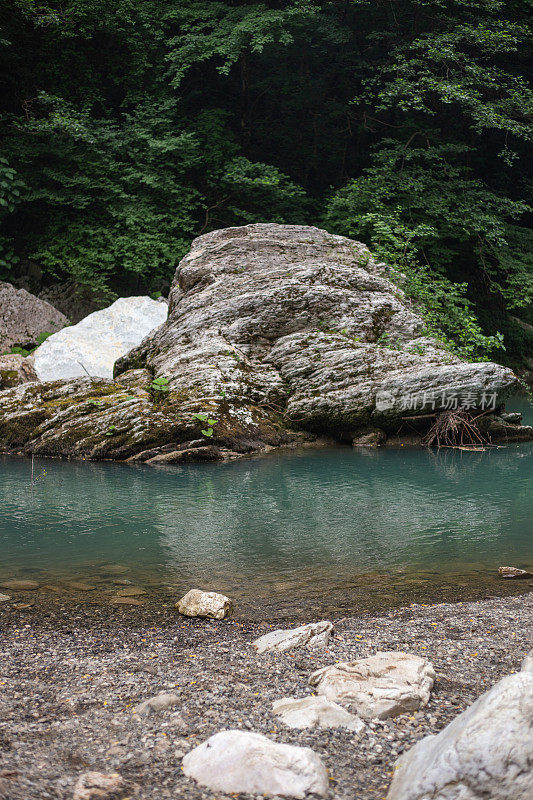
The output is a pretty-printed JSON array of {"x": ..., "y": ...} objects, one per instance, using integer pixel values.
[
  {"x": 97, "y": 403},
  {"x": 43, "y": 337},
  {"x": 201, "y": 417},
  {"x": 364, "y": 260},
  {"x": 385, "y": 341},
  {"x": 16, "y": 350},
  {"x": 417, "y": 348},
  {"x": 159, "y": 389},
  {"x": 111, "y": 431},
  {"x": 233, "y": 354}
]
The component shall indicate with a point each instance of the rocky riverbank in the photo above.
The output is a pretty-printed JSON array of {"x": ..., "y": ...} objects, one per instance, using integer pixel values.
[{"x": 72, "y": 679}]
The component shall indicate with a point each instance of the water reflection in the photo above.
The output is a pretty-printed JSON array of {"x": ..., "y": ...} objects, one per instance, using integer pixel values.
[{"x": 300, "y": 520}]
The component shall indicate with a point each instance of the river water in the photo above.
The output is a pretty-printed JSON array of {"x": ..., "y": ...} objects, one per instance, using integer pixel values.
[{"x": 330, "y": 527}]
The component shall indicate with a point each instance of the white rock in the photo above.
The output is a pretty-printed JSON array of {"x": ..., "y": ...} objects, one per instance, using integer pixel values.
[
  {"x": 158, "y": 703},
  {"x": 98, "y": 786},
  {"x": 98, "y": 340},
  {"x": 241, "y": 761},
  {"x": 486, "y": 753},
  {"x": 383, "y": 685},
  {"x": 315, "y": 712},
  {"x": 316, "y": 634},
  {"x": 197, "y": 603},
  {"x": 4, "y": 598}
]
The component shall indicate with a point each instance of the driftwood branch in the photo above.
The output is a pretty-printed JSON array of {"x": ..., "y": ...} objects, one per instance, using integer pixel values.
[{"x": 454, "y": 428}]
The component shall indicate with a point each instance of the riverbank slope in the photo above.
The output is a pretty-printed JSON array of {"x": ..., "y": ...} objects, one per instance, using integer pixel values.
[{"x": 70, "y": 683}]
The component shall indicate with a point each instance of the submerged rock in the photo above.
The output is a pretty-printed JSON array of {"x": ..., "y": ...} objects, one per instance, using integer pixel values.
[
  {"x": 114, "y": 569},
  {"x": 92, "y": 346},
  {"x": 25, "y": 317},
  {"x": 513, "y": 417},
  {"x": 20, "y": 585},
  {"x": 250, "y": 763},
  {"x": 514, "y": 572},
  {"x": 316, "y": 634},
  {"x": 276, "y": 334},
  {"x": 496, "y": 429},
  {"x": 486, "y": 752},
  {"x": 197, "y": 603},
  {"x": 315, "y": 712},
  {"x": 79, "y": 586},
  {"x": 131, "y": 591},
  {"x": 383, "y": 685}
]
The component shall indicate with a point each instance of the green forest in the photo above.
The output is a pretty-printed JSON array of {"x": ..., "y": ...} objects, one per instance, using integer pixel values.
[{"x": 129, "y": 128}]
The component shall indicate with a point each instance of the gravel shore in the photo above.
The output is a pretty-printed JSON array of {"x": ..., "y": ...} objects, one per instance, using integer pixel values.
[{"x": 68, "y": 687}]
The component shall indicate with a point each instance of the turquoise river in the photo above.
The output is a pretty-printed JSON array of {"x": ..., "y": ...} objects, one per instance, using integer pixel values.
[{"x": 322, "y": 528}]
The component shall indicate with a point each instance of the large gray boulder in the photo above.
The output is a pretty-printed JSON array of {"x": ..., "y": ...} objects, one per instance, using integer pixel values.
[
  {"x": 276, "y": 333},
  {"x": 250, "y": 763},
  {"x": 309, "y": 322},
  {"x": 93, "y": 345},
  {"x": 23, "y": 317},
  {"x": 486, "y": 753}
]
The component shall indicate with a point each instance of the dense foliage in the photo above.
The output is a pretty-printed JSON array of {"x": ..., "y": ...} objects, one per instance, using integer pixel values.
[{"x": 130, "y": 127}]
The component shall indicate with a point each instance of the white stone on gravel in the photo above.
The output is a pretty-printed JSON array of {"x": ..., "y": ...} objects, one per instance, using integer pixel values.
[
  {"x": 4, "y": 598},
  {"x": 98, "y": 786},
  {"x": 383, "y": 685},
  {"x": 316, "y": 634},
  {"x": 160, "y": 702},
  {"x": 98, "y": 340},
  {"x": 315, "y": 712},
  {"x": 197, "y": 603},
  {"x": 250, "y": 763},
  {"x": 486, "y": 753}
]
